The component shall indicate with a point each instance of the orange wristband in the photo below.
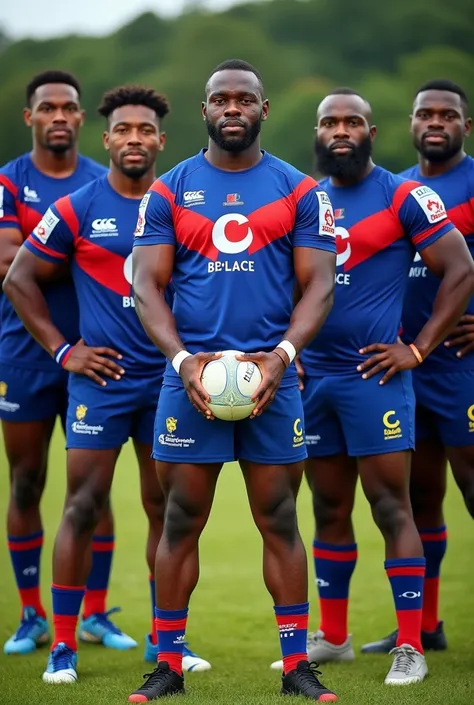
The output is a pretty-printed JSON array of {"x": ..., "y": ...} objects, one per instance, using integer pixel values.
[{"x": 416, "y": 352}]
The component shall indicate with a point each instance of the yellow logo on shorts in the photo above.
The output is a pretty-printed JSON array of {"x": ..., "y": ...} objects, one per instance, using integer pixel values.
[
  {"x": 392, "y": 428},
  {"x": 470, "y": 416},
  {"x": 171, "y": 424},
  {"x": 298, "y": 433},
  {"x": 3, "y": 389},
  {"x": 81, "y": 412}
]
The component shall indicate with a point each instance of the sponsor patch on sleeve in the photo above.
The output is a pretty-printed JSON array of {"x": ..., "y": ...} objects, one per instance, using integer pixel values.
[
  {"x": 46, "y": 226},
  {"x": 326, "y": 214},
  {"x": 140, "y": 227},
  {"x": 431, "y": 204}
]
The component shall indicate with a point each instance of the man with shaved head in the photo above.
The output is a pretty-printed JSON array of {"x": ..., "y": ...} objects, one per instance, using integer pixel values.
[{"x": 358, "y": 396}]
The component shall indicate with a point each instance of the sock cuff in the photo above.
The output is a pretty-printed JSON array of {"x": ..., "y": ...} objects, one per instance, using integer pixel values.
[
  {"x": 58, "y": 589},
  {"x": 334, "y": 552},
  {"x": 103, "y": 544},
  {"x": 151, "y": 578},
  {"x": 437, "y": 534},
  {"x": 171, "y": 614},
  {"x": 405, "y": 563},
  {"x": 103, "y": 539},
  {"x": 24, "y": 543},
  {"x": 302, "y": 608}
]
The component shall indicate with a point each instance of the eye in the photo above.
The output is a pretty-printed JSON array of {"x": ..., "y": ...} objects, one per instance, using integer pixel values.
[
  {"x": 327, "y": 123},
  {"x": 422, "y": 115},
  {"x": 354, "y": 123}
]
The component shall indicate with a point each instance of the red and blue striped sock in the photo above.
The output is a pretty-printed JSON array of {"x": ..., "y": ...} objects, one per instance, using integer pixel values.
[
  {"x": 292, "y": 623},
  {"x": 434, "y": 547},
  {"x": 66, "y": 607},
  {"x": 171, "y": 630},
  {"x": 98, "y": 580},
  {"x": 334, "y": 566},
  {"x": 153, "y": 636},
  {"x": 25, "y": 554},
  {"x": 406, "y": 577}
]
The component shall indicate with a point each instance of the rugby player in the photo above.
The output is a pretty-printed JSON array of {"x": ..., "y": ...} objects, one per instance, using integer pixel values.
[
  {"x": 444, "y": 384},
  {"x": 358, "y": 396},
  {"x": 235, "y": 227},
  {"x": 116, "y": 371},
  {"x": 33, "y": 388}
]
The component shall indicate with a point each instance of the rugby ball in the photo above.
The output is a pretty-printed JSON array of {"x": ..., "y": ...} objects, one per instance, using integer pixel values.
[{"x": 230, "y": 383}]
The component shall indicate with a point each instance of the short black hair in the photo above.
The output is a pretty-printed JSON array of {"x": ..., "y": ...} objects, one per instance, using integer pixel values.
[
  {"x": 344, "y": 90},
  {"x": 443, "y": 84},
  {"x": 53, "y": 76},
  {"x": 134, "y": 95},
  {"x": 238, "y": 65}
]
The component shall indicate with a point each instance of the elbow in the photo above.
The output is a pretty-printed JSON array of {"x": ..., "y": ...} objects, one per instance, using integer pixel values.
[{"x": 11, "y": 284}]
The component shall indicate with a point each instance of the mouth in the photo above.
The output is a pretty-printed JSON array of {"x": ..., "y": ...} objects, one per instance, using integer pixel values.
[
  {"x": 59, "y": 132},
  {"x": 342, "y": 148},
  {"x": 435, "y": 138},
  {"x": 134, "y": 156},
  {"x": 233, "y": 126}
]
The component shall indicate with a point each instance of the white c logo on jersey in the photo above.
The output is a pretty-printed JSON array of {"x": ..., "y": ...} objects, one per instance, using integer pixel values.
[
  {"x": 231, "y": 233},
  {"x": 128, "y": 270},
  {"x": 343, "y": 256},
  {"x": 104, "y": 224}
]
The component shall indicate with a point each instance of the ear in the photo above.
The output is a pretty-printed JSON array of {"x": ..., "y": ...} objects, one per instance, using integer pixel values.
[
  {"x": 83, "y": 117},
  {"x": 105, "y": 140},
  {"x": 373, "y": 132},
  {"x": 203, "y": 110},
  {"x": 265, "y": 109},
  {"x": 162, "y": 141},
  {"x": 27, "y": 117},
  {"x": 467, "y": 127}
]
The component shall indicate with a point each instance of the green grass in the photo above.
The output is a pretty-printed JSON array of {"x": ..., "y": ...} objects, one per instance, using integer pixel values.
[{"x": 231, "y": 618}]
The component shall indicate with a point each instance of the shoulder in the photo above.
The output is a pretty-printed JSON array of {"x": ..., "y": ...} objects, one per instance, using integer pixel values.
[
  {"x": 16, "y": 170},
  {"x": 90, "y": 167},
  {"x": 81, "y": 200},
  {"x": 410, "y": 173},
  {"x": 174, "y": 176},
  {"x": 287, "y": 171}
]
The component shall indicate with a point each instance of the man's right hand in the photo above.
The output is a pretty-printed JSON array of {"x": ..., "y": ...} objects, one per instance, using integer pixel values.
[
  {"x": 84, "y": 360},
  {"x": 191, "y": 371}
]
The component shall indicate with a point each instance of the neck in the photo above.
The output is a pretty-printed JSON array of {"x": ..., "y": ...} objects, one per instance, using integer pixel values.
[
  {"x": 127, "y": 187},
  {"x": 233, "y": 161},
  {"x": 56, "y": 164},
  {"x": 428, "y": 168},
  {"x": 336, "y": 181}
]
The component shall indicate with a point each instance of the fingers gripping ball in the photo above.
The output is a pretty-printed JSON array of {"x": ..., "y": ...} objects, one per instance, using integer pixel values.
[{"x": 231, "y": 383}]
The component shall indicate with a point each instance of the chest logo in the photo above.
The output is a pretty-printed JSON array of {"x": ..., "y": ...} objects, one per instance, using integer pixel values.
[{"x": 232, "y": 234}]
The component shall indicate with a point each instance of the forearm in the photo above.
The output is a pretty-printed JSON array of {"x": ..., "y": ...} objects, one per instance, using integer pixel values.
[
  {"x": 28, "y": 301},
  {"x": 450, "y": 303},
  {"x": 7, "y": 256},
  {"x": 158, "y": 320},
  {"x": 310, "y": 313}
]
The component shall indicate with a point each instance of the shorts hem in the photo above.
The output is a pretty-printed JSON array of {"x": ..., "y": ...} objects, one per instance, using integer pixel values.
[
  {"x": 96, "y": 446},
  {"x": 32, "y": 419},
  {"x": 381, "y": 450},
  {"x": 193, "y": 460},
  {"x": 275, "y": 461}
]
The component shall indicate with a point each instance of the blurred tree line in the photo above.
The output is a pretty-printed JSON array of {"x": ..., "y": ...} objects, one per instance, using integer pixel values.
[{"x": 303, "y": 48}]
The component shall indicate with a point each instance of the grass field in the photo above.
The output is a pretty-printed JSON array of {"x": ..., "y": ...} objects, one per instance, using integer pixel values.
[{"x": 231, "y": 618}]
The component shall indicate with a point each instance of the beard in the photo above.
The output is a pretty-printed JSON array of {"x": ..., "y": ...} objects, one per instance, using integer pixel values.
[
  {"x": 133, "y": 171},
  {"x": 234, "y": 144},
  {"x": 60, "y": 147},
  {"x": 343, "y": 166},
  {"x": 439, "y": 153}
]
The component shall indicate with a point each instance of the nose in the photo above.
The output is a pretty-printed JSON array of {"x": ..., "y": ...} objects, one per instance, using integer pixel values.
[
  {"x": 59, "y": 116},
  {"x": 341, "y": 131},
  {"x": 435, "y": 122},
  {"x": 134, "y": 137},
  {"x": 232, "y": 109}
]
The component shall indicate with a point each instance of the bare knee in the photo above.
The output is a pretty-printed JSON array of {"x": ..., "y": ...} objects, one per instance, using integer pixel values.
[
  {"x": 27, "y": 487},
  {"x": 84, "y": 510},
  {"x": 154, "y": 506},
  {"x": 390, "y": 514},
  {"x": 278, "y": 519},
  {"x": 184, "y": 520},
  {"x": 331, "y": 512}
]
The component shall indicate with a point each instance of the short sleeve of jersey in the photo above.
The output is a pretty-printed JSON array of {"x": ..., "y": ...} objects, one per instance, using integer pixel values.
[
  {"x": 423, "y": 215},
  {"x": 314, "y": 221},
  {"x": 155, "y": 224},
  {"x": 8, "y": 212},
  {"x": 53, "y": 239}
]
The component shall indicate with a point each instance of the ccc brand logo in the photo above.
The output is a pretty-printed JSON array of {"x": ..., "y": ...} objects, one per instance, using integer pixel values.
[
  {"x": 103, "y": 224},
  {"x": 128, "y": 269},
  {"x": 343, "y": 245},
  {"x": 231, "y": 233}
]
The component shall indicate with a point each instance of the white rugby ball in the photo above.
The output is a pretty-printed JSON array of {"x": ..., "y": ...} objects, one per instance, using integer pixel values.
[{"x": 230, "y": 383}]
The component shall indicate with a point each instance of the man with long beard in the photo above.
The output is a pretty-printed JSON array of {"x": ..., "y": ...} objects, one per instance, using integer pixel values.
[{"x": 358, "y": 396}]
